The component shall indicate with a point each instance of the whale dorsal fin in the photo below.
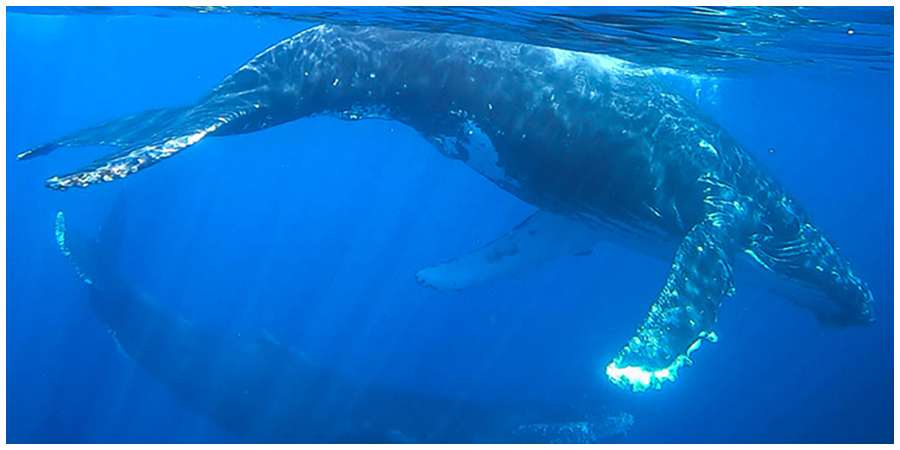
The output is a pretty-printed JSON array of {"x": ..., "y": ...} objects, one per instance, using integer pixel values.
[{"x": 543, "y": 237}]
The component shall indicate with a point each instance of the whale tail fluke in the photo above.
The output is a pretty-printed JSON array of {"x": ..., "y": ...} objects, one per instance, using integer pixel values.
[
  {"x": 132, "y": 131},
  {"x": 145, "y": 138}
]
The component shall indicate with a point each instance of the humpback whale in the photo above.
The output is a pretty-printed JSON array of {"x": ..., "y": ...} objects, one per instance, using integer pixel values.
[
  {"x": 263, "y": 391},
  {"x": 605, "y": 149}
]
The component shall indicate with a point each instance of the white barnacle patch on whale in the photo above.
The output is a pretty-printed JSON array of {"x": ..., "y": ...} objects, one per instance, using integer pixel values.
[{"x": 359, "y": 112}]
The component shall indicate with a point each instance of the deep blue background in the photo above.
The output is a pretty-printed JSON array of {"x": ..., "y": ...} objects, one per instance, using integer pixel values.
[{"x": 313, "y": 231}]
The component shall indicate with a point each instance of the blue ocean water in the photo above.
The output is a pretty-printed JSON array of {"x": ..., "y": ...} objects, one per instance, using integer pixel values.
[{"x": 312, "y": 231}]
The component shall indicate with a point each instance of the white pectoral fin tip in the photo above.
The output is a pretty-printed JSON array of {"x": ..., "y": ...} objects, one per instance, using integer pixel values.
[
  {"x": 640, "y": 378},
  {"x": 541, "y": 238}
]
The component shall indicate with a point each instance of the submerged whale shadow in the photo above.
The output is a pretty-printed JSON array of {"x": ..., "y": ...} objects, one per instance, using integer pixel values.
[{"x": 263, "y": 391}]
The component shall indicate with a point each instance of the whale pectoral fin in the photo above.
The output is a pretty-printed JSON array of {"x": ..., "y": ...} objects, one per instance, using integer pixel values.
[
  {"x": 543, "y": 237},
  {"x": 144, "y": 139},
  {"x": 685, "y": 310},
  {"x": 684, "y": 313}
]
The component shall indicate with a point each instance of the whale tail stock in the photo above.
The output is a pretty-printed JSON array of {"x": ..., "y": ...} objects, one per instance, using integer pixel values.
[{"x": 241, "y": 103}]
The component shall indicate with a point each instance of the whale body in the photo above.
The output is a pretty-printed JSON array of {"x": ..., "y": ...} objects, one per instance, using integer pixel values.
[{"x": 605, "y": 149}]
